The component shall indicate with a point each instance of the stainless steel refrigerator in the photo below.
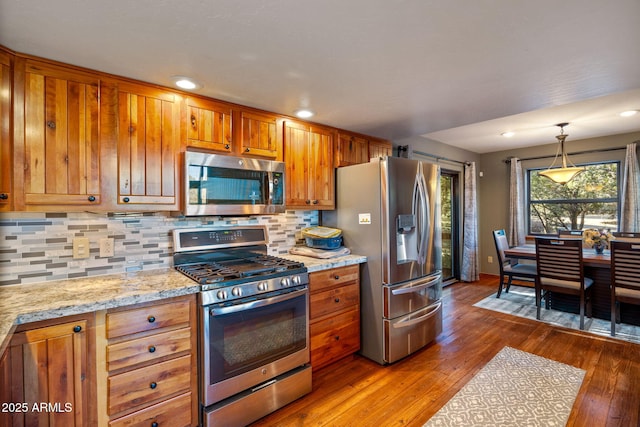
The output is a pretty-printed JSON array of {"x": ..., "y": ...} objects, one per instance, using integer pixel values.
[{"x": 389, "y": 210}]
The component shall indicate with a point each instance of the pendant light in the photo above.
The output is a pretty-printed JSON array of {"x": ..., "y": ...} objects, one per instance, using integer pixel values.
[{"x": 564, "y": 174}]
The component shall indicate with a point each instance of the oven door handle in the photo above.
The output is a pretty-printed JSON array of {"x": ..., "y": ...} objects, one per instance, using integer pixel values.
[
  {"x": 407, "y": 321},
  {"x": 217, "y": 311},
  {"x": 416, "y": 285}
]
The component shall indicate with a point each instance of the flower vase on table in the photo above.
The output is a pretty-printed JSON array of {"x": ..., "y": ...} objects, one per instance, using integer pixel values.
[
  {"x": 599, "y": 247},
  {"x": 596, "y": 239}
]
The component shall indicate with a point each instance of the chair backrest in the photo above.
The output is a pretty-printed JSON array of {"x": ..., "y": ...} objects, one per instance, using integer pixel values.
[
  {"x": 559, "y": 259},
  {"x": 575, "y": 233},
  {"x": 625, "y": 265},
  {"x": 500, "y": 238},
  {"x": 626, "y": 236}
]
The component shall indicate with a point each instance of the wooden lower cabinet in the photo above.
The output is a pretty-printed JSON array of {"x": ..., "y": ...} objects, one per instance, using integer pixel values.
[
  {"x": 147, "y": 371},
  {"x": 334, "y": 314},
  {"x": 46, "y": 375}
]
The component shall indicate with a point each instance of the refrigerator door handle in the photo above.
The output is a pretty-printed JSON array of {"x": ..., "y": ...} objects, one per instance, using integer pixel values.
[
  {"x": 416, "y": 285},
  {"x": 408, "y": 321},
  {"x": 423, "y": 215}
]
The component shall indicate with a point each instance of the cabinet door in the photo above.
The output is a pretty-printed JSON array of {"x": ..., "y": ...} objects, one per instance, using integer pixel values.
[
  {"x": 6, "y": 416},
  {"x": 380, "y": 149},
  {"x": 6, "y": 162},
  {"x": 148, "y": 144},
  {"x": 322, "y": 174},
  {"x": 258, "y": 134},
  {"x": 209, "y": 125},
  {"x": 49, "y": 367},
  {"x": 351, "y": 150},
  {"x": 61, "y": 141},
  {"x": 308, "y": 155}
]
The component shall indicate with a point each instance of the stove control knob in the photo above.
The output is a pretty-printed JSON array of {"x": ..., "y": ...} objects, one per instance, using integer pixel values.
[
  {"x": 236, "y": 292},
  {"x": 263, "y": 286},
  {"x": 222, "y": 295},
  {"x": 295, "y": 280},
  {"x": 285, "y": 282}
]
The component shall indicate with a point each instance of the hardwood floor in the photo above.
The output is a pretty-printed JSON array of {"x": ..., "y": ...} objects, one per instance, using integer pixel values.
[{"x": 358, "y": 392}]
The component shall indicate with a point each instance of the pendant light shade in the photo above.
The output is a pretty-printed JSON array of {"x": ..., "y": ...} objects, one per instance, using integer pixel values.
[{"x": 565, "y": 173}]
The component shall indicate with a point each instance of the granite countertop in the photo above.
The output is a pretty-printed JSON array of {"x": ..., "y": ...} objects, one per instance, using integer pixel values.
[{"x": 21, "y": 304}]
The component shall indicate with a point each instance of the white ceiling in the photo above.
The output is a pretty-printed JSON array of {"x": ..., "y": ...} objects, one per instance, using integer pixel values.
[{"x": 456, "y": 71}]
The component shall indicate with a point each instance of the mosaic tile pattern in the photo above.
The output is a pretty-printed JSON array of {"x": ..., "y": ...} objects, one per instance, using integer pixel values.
[
  {"x": 38, "y": 247},
  {"x": 515, "y": 388}
]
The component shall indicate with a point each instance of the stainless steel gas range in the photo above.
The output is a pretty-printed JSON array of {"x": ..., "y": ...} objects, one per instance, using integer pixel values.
[{"x": 253, "y": 319}]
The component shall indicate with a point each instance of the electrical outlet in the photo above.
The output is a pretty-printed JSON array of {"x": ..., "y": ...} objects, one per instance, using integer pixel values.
[
  {"x": 490, "y": 259},
  {"x": 80, "y": 247},
  {"x": 106, "y": 247}
]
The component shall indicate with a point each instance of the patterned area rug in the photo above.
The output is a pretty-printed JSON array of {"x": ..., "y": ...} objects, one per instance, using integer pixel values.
[
  {"x": 514, "y": 389},
  {"x": 521, "y": 301}
]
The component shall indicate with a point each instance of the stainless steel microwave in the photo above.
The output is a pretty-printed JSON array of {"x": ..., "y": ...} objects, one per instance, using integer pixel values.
[{"x": 225, "y": 185}]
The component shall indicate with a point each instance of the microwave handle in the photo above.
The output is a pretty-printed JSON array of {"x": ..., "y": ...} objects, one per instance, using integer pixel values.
[{"x": 269, "y": 187}]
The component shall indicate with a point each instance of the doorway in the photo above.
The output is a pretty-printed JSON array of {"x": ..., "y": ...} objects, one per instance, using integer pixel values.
[{"x": 450, "y": 225}]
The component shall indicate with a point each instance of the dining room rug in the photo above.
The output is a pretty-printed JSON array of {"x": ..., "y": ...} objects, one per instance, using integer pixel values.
[
  {"x": 521, "y": 301},
  {"x": 515, "y": 388}
]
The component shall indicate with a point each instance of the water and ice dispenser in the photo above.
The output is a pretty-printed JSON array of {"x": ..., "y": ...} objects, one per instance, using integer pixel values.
[{"x": 406, "y": 238}]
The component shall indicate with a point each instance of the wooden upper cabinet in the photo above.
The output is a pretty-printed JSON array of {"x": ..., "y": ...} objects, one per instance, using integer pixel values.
[
  {"x": 61, "y": 148},
  {"x": 308, "y": 154},
  {"x": 148, "y": 146},
  {"x": 258, "y": 134},
  {"x": 209, "y": 125},
  {"x": 378, "y": 148},
  {"x": 351, "y": 150},
  {"x": 6, "y": 143}
]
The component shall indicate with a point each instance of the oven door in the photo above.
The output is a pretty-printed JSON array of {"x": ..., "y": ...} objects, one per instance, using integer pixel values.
[{"x": 249, "y": 343}]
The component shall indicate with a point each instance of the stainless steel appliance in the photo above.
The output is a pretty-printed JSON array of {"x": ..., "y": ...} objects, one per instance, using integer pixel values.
[
  {"x": 225, "y": 185},
  {"x": 389, "y": 210},
  {"x": 254, "y": 323}
]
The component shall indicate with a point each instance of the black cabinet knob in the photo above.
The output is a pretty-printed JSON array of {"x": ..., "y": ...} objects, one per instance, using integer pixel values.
[
  {"x": 337, "y": 300},
  {"x": 336, "y": 277},
  {"x": 308, "y": 202},
  {"x": 4, "y": 196},
  {"x": 153, "y": 385},
  {"x": 151, "y": 319},
  {"x": 126, "y": 200},
  {"x": 51, "y": 125},
  {"x": 154, "y": 424},
  {"x": 247, "y": 149},
  {"x": 77, "y": 328},
  {"x": 92, "y": 198},
  {"x": 152, "y": 349}
]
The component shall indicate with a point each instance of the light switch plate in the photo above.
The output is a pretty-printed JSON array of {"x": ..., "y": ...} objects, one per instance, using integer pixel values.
[{"x": 80, "y": 247}]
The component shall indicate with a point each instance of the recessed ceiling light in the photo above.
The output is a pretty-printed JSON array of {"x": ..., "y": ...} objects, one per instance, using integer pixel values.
[
  {"x": 185, "y": 82},
  {"x": 304, "y": 114},
  {"x": 629, "y": 113},
  {"x": 508, "y": 134}
]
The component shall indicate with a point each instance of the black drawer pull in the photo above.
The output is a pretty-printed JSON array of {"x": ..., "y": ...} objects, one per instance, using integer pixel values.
[
  {"x": 151, "y": 319},
  {"x": 92, "y": 198},
  {"x": 337, "y": 337},
  {"x": 154, "y": 424},
  {"x": 77, "y": 328},
  {"x": 337, "y": 300},
  {"x": 336, "y": 277},
  {"x": 126, "y": 200},
  {"x": 152, "y": 349},
  {"x": 153, "y": 385},
  {"x": 4, "y": 196}
]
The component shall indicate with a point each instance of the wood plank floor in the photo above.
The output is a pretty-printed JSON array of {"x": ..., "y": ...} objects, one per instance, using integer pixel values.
[{"x": 358, "y": 392}]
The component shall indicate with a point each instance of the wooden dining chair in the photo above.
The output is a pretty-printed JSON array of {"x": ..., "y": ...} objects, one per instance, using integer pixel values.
[
  {"x": 568, "y": 233},
  {"x": 560, "y": 269},
  {"x": 626, "y": 236},
  {"x": 625, "y": 277},
  {"x": 509, "y": 268}
]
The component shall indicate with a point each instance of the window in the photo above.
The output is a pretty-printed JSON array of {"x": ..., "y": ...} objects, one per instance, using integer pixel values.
[{"x": 590, "y": 200}]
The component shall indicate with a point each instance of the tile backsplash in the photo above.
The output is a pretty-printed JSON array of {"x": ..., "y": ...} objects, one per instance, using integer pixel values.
[{"x": 38, "y": 247}]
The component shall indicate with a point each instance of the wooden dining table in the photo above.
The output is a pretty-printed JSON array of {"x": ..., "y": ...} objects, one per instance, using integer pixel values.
[{"x": 596, "y": 267}]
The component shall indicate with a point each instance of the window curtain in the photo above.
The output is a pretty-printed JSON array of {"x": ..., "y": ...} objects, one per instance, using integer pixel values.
[
  {"x": 516, "y": 233},
  {"x": 470, "y": 257},
  {"x": 630, "y": 210}
]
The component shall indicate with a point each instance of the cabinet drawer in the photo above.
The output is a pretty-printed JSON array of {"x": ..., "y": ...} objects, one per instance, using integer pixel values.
[
  {"x": 133, "y": 352},
  {"x": 334, "y": 338},
  {"x": 140, "y": 386},
  {"x": 333, "y": 300},
  {"x": 321, "y": 280},
  {"x": 147, "y": 318},
  {"x": 175, "y": 412}
]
